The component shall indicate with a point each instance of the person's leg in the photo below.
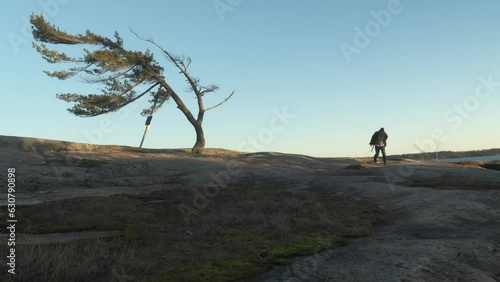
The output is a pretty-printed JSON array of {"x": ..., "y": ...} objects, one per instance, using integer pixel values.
[
  {"x": 383, "y": 154},
  {"x": 377, "y": 151}
]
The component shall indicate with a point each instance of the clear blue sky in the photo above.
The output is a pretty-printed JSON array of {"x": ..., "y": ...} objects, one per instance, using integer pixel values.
[{"x": 342, "y": 68}]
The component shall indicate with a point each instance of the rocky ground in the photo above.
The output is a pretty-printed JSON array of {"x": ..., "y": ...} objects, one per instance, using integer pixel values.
[{"x": 438, "y": 235}]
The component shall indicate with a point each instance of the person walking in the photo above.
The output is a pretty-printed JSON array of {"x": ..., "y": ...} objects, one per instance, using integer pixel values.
[{"x": 379, "y": 140}]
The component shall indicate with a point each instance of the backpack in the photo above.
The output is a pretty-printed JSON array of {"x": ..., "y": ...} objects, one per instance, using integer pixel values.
[
  {"x": 379, "y": 139},
  {"x": 374, "y": 139}
]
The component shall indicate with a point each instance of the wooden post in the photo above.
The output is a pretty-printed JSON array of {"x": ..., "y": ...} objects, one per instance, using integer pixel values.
[
  {"x": 148, "y": 120},
  {"x": 148, "y": 123}
]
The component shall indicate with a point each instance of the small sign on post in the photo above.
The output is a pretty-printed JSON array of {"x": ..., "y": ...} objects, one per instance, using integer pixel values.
[
  {"x": 147, "y": 125},
  {"x": 150, "y": 117}
]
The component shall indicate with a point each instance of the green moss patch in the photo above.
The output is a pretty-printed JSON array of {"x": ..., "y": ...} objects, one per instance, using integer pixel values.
[{"x": 238, "y": 233}]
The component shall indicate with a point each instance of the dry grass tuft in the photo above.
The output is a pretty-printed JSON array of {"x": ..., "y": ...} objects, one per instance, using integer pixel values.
[
  {"x": 241, "y": 232},
  {"x": 491, "y": 165},
  {"x": 447, "y": 182},
  {"x": 469, "y": 163},
  {"x": 355, "y": 166}
]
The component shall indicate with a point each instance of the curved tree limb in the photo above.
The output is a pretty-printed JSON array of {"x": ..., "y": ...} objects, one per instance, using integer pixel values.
[
  {"x": 119, "y": 106},
  {"x": 179, "y": 102},
  {"x": 178, "y": 62},
  {"x": 224, "y": 101},
  {"x": 135, "y": 98}
]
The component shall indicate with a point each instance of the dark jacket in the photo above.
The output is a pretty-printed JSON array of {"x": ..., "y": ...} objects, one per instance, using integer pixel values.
[{"x": 381, "y": 139}]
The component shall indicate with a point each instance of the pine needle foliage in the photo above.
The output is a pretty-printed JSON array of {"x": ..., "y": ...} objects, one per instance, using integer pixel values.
[{"x": 120, "y": 72}]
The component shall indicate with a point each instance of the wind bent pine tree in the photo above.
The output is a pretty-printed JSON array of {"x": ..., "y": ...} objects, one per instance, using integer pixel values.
[{"x": 121, "y": 72}]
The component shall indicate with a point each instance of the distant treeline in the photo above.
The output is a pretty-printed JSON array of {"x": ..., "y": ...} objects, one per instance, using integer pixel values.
[{"x": 449, "y": 154}]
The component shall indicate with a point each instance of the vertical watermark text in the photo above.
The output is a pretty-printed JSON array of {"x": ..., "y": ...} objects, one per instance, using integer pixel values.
[{"x": 11, "y": 222}]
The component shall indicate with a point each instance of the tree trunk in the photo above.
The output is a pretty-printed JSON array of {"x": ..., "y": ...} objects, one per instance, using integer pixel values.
[{"x": 199, "y": 146}]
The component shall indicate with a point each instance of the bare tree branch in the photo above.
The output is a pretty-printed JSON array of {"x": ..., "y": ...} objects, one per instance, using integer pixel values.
[
  {"x": 178, "y": 62},
  {"x": 207, "y": 89},
  {"x": 225, "y": 100}
]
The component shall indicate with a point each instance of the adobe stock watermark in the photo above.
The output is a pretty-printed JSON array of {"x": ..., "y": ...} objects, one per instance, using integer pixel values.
[
  {"x": 224, "y": 6},
  {"x": 50, "y": 8},
  {"x": 458, "y": 112},
  {"x": 106, "y": 126},
  {"x": 394, "y": 178},
  {"x": 221, "y": 179},
  {"x": 265, "y": 136},
  {"x": 364, "y": 36},
  {"x": 454, "y": 115},
  {"x": 97, "y": 135}
]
